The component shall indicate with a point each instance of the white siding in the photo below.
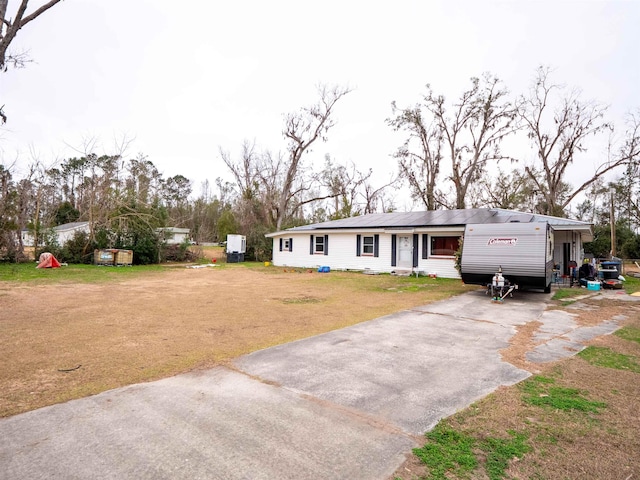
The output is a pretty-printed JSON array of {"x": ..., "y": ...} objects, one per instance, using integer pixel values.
[
  {"x": 342, "y": 253},
  {"x": 65, "y": 235},
  {"x": 173, "y": 235},
  {"x": 442, "y": 267}
]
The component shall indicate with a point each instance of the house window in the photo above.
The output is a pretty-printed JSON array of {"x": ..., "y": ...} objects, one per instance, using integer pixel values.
[
  {"x": 444, "y": 246},
  {"x": 367, "y": 245},
  {"x": 319, "y": 245},
  {"x": 286, "y": 244}
]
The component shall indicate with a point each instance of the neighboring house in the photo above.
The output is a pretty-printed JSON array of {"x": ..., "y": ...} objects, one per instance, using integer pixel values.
[
  {"x": 174, "y": 235},
  {"x": 64, "y": 233},
  {"x": 411, "y": 241}
]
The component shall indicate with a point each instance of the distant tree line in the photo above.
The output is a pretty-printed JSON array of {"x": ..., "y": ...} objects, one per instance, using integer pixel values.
[
  {"x": 125, "y": 203},
  {"x": 454, "y": 156}
]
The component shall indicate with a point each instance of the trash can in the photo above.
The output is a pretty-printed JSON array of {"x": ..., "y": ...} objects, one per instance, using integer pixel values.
[{"x": 235, "y": 257}]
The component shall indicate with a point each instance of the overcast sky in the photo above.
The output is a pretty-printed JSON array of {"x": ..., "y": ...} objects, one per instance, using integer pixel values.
[{"x": 186, "y": 78}]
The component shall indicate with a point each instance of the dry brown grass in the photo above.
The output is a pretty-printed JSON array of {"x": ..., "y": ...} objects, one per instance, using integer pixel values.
[{"x": 164, "y": 323}]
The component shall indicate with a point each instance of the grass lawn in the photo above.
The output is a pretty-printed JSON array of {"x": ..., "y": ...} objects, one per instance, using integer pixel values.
[{"x": 81, "y": 329}]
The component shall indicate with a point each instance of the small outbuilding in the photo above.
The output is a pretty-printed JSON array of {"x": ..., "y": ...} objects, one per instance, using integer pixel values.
[{"x": 236, "y": 248}]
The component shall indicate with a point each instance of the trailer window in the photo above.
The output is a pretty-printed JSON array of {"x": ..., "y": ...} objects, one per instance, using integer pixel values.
[
  {"x": 319, "y": 244},
  {"x": 444, "y": 246}
]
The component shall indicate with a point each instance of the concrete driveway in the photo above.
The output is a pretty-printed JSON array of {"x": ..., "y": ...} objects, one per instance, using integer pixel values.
[{"x": 346, "y": 404}]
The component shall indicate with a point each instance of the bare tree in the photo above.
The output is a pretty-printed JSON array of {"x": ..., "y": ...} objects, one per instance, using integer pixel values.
[
  {"x": 420, "y": 155},
  {"x": 469, "y": 135},
  {"x": 375, "y": 199},
  {"x": 511, "y": 191},
  {"x": 9, "y": 28},
  {"x": 589, "y": 209},
  {"x": 629, "y": 185},
  {"x": 245, "y": 170},
  {"x": 302, "y": 129},
  {"x": 559, "y": 135},
  {"x": 275, "y": 188},
  {"x": 343, "y": 184},
  {"x": 481, "y": 119}
]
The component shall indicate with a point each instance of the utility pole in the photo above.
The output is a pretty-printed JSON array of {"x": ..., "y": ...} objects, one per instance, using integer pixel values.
[{"x": 612, "y": 191}]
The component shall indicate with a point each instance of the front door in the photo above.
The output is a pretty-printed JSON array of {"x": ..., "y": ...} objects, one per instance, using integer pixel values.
[{"x": 405, "y": 252}]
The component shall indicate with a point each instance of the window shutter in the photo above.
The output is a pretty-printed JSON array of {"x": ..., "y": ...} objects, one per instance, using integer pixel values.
[
  {"x": 393, "y": 250},
  {"x": 280, "y": 244},
  {"x": 291, "y": 244},
  {"x": 415, "y": 250},
  {"x": 376, "y": 245},
  {"x": 358, "y": 244},
  {"x": 425, "y": 246},
  {"x": 310, "y": 244},
  {"x": 326, "y": 244}
]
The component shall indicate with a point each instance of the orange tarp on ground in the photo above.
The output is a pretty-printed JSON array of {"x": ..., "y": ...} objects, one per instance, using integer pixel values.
[{"x": 47, "y": 260}]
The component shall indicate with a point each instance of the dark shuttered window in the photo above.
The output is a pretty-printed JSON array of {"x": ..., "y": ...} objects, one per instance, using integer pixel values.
[{"x": 393, "y": 249}]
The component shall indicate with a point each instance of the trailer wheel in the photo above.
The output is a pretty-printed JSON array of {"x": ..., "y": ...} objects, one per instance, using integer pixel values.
[{"x": 547, "y": 289}]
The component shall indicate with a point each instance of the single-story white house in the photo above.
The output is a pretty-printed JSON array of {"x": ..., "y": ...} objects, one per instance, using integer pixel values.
[
  {"x": 174, "y": 235},
  {"x": 411, "y": 241},
  {"x": 64, "y": 232}
]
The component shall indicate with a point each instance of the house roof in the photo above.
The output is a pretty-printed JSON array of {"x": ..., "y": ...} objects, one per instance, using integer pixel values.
[
  {"x": 441, "y": 218},
  {"x": 404, "y": 219},
  {"x": 70, "y": 226},
  {"x": 174, "y": 230}
]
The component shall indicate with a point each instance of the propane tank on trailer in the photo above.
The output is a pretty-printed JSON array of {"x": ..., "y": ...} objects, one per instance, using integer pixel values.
[{"x": 498, "y": 279}]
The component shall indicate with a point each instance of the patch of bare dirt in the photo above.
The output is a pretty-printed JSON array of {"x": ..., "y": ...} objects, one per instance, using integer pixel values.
[{"x": 521, "y": 343}]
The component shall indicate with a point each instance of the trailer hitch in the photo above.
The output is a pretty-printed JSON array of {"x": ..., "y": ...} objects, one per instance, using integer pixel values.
[
  {"x": 500, "y": 287},
  {"x": 497, "y": 296}
]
